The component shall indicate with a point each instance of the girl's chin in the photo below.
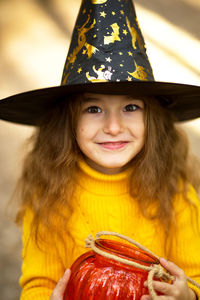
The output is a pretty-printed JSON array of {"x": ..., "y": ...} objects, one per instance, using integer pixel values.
[
  {"x": 108, "y": 168},
  {"x": 110, "y": 171}
]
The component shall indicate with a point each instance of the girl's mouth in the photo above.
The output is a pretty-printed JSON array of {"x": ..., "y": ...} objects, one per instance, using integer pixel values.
[{"x": 113, "y": 145}]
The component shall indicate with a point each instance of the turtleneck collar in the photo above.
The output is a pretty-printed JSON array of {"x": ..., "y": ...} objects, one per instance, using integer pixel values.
[{"x": 100, "y": 183}]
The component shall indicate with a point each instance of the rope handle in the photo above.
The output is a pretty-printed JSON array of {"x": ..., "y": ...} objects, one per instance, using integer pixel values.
[{"x": 154, "y": 270}]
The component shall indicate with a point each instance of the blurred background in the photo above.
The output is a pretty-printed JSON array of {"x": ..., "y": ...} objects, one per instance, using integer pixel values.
[{"x": 34, "y": 39}]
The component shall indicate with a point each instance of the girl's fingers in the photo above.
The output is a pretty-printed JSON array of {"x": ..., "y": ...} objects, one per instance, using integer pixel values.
[
  {"x": 172, "y": 268},
  {"x": 163, "y": 287},
  {"x": 58, "y": 292},
  {"x": 178, "y": 289},
  {"x": 145, "y": 297},
  {"x": 62, "y": 283}
]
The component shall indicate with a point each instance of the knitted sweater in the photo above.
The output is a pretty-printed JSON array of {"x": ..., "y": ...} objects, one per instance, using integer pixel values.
[{"x": 102, "y": 202}]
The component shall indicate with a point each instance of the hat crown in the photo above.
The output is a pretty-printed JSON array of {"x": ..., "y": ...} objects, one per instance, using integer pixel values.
[{"x": 107, "y": 45}]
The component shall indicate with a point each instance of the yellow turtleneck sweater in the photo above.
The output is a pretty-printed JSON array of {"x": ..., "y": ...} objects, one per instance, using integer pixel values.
[{"x": 102, "y": 202}]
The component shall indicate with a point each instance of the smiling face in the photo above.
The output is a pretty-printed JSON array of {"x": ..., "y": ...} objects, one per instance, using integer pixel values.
[{"x": 110, "y": 131}]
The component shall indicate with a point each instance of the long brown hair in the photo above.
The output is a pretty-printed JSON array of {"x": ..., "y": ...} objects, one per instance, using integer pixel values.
[
  {"x": 47, "y": 181},
  {"x": 165, "y": 165}
]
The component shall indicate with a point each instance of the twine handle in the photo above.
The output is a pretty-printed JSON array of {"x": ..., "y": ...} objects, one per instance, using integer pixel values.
[
  {"x": 131, "y": 241},
  {"x": 154, "y": 270}
]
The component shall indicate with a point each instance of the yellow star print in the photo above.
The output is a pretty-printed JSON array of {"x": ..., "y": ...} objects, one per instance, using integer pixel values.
[
  {"x": 103, "y": 14},
  {"x": 130, "y": 53},
  {"x": 125, "y": 32},
  {"x": 113, "y": 13},
  {"x": 84, "y": 51},
  {"x": 120, "y": 53},
  {"x": 122, "y": 12},
  {"x": 121, "y": 65},
  {"x": 79, "y": 70},
  {"x": 108, "y": 59},
  {"x": 129, "y": 78}
]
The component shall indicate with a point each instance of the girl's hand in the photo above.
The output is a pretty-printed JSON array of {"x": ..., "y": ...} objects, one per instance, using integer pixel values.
[
  {"x": 58, "y": 292},
  {"x": 178, "y": 290}
]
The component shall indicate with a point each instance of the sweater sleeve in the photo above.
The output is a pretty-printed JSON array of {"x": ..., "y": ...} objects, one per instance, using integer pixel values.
[
  {"x": 41, "y": 268},
  {"x": 185, "y": 241}
]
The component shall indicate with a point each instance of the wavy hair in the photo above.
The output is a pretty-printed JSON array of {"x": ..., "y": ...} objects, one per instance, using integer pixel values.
[
  {"x": 47, "y": 180},
  {"x": 164, "y": 167}
]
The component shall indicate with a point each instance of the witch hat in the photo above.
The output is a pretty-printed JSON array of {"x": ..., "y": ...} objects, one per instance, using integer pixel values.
[{"x": 107, "y": 55}]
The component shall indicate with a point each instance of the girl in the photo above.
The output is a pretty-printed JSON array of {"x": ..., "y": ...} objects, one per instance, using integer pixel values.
[
  {"x": 107, "y": 156},
  {"x": 108, "y": 162}
]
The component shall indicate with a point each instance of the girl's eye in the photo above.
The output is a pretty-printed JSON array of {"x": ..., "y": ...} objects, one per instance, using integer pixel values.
[
  {"x": 130, "y": 107},
  {"x": 93, "y": 110}
]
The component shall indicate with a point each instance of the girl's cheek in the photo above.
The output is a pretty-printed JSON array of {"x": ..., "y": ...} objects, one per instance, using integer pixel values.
[{"x": 82, "y": 130}]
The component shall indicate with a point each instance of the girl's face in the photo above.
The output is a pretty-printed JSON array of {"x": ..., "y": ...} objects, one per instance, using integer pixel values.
[{"x": 110, "y": 131}]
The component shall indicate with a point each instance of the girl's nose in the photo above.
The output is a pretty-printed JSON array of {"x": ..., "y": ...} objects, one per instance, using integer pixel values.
[{"x": 113, "y": 124}]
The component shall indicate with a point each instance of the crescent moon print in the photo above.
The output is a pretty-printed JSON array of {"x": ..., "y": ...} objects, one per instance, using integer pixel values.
[{"x": 98, "y": 1}]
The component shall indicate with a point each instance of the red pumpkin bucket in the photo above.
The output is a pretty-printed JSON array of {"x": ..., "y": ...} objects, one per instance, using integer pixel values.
[{"x": 112, "y": 271}]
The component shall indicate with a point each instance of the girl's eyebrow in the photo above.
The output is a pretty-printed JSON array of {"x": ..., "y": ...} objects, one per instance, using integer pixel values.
[
  {"x": 133, "y": 98},
  {"x": 96, "y": 99},
  {"x": 90, "y": 99}
]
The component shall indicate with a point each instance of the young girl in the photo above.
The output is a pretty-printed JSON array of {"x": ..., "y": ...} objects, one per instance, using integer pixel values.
[
  {"x": 108, "y": 162},
  {"x": 107, "y": 156}
]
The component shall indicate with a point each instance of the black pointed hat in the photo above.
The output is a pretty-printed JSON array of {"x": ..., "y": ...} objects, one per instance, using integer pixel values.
[{"x": 107, "y": 55}]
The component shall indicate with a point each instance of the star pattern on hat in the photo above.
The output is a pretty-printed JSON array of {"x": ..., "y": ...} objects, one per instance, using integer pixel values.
[
  {"x": 103, "y": 14},
  {"x": 108, "y": 59},
  {"x": 101, "y": 29}
]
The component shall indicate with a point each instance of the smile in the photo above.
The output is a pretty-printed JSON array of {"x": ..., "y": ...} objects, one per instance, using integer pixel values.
[{"x": 113, "y": 145}]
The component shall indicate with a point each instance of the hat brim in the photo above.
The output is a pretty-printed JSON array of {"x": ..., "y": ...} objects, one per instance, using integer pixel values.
[{"x": 28, "y": 108}]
